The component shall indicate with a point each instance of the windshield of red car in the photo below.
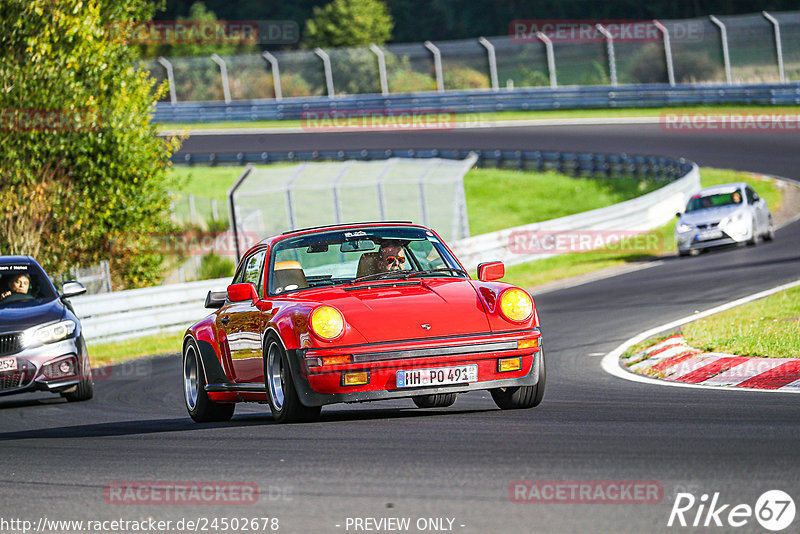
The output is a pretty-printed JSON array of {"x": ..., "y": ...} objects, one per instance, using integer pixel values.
[
  {"x": 23, "y": 284},
  {"x": 343, "y": 256}
]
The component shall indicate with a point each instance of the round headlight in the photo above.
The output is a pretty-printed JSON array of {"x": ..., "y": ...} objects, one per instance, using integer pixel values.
[
  {"x": 327, "y": 322},
  {"x": 516, "y": 305}
]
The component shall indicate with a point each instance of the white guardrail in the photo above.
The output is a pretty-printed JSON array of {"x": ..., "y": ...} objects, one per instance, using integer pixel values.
[
  {"x": 636, "y": 215},
  {"x": 140, "y": 312}
]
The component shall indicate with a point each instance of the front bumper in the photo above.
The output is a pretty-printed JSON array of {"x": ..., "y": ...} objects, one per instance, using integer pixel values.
[
  {"x": 319, "y": 385},
  {"x": 698, "y": 239},
  {"x": 29, "y": 376}
]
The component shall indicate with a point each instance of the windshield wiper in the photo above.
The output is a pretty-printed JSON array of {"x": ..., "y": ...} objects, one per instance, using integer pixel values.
[
  {"x": 378, "y": 276},
  {"x": 440, "y": 270}
]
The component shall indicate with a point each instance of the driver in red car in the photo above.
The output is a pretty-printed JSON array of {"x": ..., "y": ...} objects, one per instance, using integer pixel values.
[{"x": 391, "y": 257}]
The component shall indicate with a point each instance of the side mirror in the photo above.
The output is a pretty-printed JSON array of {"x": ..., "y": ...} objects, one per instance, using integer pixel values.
[
  {"x": 492, "y": 270},
  {"x": 678, "y": 214},
  {"x": 215, "y": 299},
  {"x": 243, "y": 292},
  {"x": 72, "y": 289}
]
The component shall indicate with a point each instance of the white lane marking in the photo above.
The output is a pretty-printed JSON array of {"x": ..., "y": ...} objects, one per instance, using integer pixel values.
[{"x": 610, "y": 362}]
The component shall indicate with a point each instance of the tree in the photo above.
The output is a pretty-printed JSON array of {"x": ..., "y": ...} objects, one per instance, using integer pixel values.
[
  {"x": 349, "y": 23},
  {"x": 83, "y": 174}
]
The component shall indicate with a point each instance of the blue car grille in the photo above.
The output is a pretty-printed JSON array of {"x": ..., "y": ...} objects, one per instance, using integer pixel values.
[
  {"x": 19, "y": 378},
  {"x": 10, "y": 344}
]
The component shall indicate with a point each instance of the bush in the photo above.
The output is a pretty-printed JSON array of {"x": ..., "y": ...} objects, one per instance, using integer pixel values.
[
  {"x": 465, "y": 78},
  {"x": 213, "y": 266},
  {"x": 650, "y": 66}
]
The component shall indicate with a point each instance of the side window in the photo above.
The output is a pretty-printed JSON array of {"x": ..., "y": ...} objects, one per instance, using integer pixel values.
[
  {"x": 751, "y": 195},
  {"x": 252, "y": 270},
  {"x": 426, "y": 255}
]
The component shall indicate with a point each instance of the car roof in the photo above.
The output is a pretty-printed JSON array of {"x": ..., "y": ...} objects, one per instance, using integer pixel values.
[
  {"x": 343, "y": 226},
  {"x": 16, "y": 259},
  {"x": 723, "y": 188}
]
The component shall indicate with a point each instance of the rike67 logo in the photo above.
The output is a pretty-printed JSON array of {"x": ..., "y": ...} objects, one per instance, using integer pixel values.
[{"x": 774, "y": 510}]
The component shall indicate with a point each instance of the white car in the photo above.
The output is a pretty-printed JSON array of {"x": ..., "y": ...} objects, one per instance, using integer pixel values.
[{"x": 726, "y": 214}]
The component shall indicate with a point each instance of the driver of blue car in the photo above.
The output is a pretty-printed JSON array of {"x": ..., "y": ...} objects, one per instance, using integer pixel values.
[{"x": 18, "y": 287}]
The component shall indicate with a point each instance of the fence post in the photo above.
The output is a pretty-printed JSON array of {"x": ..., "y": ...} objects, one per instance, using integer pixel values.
[
  {"x": 223, "y": 70},
  {"x": 170, "y": 78},
  {"x": 723, "y": 33},
  {"x": 492, "y": 62},
  {"x": 551, "y": 58},
  {"x": 276, "y": 74},
  {"x": 381, "y": 68},
  {"x": 437, "y": 65},
  {"x": 326, "y": 63},
  {"x": 778, "y": 47},
  {"x": 612, "y": 62},
  {"x": 667, "y": 52}
]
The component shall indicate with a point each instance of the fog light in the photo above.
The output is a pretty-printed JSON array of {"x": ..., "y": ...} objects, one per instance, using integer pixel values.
[
  {"x": 65, "y": 368},
  {"x": 335, "y": 360},
  {"x": 60, "y": 369},
  {"x": 528, "y": 343},
  {"x": 355, "y": 379},
  {"x": 509, "y": 364}
]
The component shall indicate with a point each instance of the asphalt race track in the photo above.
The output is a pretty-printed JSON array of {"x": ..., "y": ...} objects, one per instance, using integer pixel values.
[{"x": 390, "y": 459}]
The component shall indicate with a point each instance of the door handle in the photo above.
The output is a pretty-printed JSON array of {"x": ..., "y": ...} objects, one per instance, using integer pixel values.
[{"x": 225, "y": 320}]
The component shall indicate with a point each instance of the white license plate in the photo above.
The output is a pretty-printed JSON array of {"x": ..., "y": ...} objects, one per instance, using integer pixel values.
[
  {"x": 8, "y": 364},
  {"x": 412, "y": 378},
  {"x": 708, "y": 235}
]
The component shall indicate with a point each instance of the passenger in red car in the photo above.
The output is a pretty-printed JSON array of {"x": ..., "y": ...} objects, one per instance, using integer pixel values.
[{"x": 391, "y": 257}]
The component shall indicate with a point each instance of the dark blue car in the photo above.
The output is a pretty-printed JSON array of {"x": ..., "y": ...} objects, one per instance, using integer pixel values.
[{"x": 41, "y": 343}]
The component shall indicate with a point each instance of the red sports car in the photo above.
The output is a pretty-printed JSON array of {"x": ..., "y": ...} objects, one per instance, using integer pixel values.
[{"x": 361, "y": 312}]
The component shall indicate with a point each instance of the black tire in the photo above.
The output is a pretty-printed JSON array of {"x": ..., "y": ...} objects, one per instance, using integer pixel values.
[
  {"x": 281, "y": 393},
  {"x": 200, "y": 407},
  {"x": 85, "y": 388},
  {"x": 522, "y": 397},
  {"x": 770, "y": 235},
  {"x": 440, "y": 400},
  {"x": 753, "y": 241},
  {"x": 684, "y": 253}
]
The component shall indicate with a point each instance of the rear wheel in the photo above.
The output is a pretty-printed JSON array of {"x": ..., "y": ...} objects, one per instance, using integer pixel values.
[
  {"x": 200, "y": 407},
  {"x": 440, "y": 400},
  {"x": 519, "y": 397},
  {"x": 283, "y": 400}
]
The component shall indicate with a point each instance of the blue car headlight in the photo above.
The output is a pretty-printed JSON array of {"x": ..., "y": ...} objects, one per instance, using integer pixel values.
[{"x": 41, "y": 335}]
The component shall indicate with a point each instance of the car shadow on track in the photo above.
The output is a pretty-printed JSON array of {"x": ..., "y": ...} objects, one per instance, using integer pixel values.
[{"x": 156, "y": 426}]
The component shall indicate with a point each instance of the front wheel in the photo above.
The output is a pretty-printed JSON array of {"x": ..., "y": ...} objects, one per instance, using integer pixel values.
[
  {"x": 200, "y": 407},
  {"x": 85, "y": 388},
  {"x": 770, "y": 235},
  {"x": 521, "y": 397},
  {"x": 440, "y": 400},
  {"x": 283, "y": 400}
]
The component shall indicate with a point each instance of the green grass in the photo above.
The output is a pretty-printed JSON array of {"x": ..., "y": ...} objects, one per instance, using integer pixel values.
[
  {"x": 506, "y": 116},
  {"x": 768, "y": 328},
  {"x": 111, "y": 353},
  {"x": 501, "y": 198}
]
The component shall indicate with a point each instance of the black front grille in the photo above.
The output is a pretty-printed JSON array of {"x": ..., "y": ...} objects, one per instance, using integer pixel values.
[
  {"x": 10, "y": 343},
  {"x": 19, "y": 378}
]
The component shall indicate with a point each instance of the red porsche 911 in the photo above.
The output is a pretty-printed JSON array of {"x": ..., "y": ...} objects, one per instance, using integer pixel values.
[{"x": 361, "y": 312}]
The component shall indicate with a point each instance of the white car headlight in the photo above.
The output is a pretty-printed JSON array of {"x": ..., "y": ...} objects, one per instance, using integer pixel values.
[
  {"x": 41, "y": 335},
  {"x": 683, "y": 228}
]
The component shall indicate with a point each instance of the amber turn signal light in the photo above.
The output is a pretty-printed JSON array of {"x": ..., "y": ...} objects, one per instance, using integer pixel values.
[
  {"x": 355, "y": 379},
  {"x": 509, "y": 364}
]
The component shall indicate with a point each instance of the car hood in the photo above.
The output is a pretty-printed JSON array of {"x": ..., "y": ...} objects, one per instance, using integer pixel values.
[
  {"x": 710, "y": 215},
  {"x": 388, "y": 312},
  {"x": 16, "y": 317}
]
